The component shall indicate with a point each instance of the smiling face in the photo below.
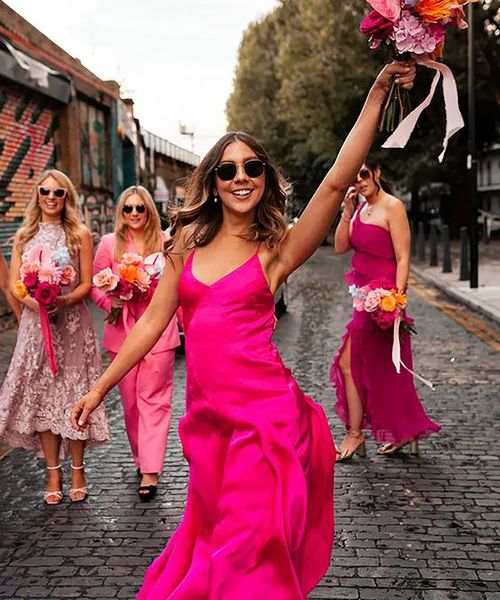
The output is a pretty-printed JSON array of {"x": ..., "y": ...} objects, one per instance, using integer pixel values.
[
  {"x": 51, "y": 199},
  {"x": 245, "y": 189},
  {"x": 135, "y": 212},
  {"x": 366, "y": 182}
]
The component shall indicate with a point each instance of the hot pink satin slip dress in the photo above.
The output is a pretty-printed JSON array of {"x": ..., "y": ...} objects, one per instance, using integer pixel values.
[{"x": 258, "y": 521}]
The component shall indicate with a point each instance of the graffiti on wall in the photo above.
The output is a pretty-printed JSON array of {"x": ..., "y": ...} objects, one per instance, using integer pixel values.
[
  {"x": 93, "y": 146},
  {"x": 28, "y": 146}
]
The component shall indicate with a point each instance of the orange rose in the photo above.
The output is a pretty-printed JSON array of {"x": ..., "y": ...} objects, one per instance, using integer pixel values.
[
  {"x": 129, "y": 273},
  {"x": 20, "y": 289},
  {"x": 400, "y": 300},
  {"x": 388, "y": 303}
]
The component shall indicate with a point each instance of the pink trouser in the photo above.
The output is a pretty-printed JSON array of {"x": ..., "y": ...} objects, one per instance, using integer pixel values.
[{"x": 146, "y": 393}]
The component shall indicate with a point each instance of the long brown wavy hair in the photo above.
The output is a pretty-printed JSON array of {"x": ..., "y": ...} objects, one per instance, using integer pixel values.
[
  {"x": 153, "y": 237},
  {"x": 200, "y": 219},
  {"x": 71, "y": 219}
]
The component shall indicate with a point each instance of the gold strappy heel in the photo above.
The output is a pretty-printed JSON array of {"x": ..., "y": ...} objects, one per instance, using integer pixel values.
[
  {"x": 360, "y": 448},
  {"x": 57, "y": 495},
  {"x": 388, "y": 449}
]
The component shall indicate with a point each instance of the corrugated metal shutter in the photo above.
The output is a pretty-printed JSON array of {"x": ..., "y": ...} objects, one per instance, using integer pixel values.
[{"x": 28, "y": 146}]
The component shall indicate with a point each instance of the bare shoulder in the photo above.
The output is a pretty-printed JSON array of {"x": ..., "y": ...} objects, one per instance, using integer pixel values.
[
  {"x": 395, "y": 206},
  {"x": 84, "y": 234}
]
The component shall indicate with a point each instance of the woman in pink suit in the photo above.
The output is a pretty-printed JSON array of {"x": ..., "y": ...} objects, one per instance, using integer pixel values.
[
  {"x": 146, "y": 391},
  {"x": 370, "y": 392},
  {"x": 258, "y": 521}
]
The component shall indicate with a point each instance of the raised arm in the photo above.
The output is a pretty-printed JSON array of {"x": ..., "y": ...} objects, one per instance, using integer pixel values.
[
  {"x": 139, "y": 342},
  {"x": 342, "y": 241},
  {"x": 399, "y": 229},
  {"x": 315, "y": 222}
]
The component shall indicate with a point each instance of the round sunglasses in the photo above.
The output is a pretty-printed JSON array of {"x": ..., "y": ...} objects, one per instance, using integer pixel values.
[
  {"x": 364, "y": 174},
  {"x": 253, "y": 168},
  {"x": 58, "y": 192},
  {"x": 129, "y": 208}
]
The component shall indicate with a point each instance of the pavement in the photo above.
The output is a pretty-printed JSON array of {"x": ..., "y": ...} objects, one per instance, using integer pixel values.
[
  {"x": 407, "y": 528},
  {"x": 486, "y": 297}
]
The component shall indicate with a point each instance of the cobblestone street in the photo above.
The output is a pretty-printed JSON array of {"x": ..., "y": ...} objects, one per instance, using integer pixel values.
[{"x": 420, "y": 528}]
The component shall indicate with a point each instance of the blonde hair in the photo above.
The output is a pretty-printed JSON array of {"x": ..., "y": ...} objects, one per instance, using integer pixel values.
[
  {"x": 153, "y": 238},
  {"x": 200, "y": 219},
  {"x": 71, "y": 220}
]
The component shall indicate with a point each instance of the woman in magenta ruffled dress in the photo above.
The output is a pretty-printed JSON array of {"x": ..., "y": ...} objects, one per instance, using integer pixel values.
[
  {"x": 258, "y": 521},
  {"x": 370, "y": 393}
]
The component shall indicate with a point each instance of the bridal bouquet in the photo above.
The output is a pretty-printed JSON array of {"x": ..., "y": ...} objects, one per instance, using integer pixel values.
[
  {"x": 43, "y": 274},
  {"x": 415, "y": 29},
  {"x": 137, "y": 278}
]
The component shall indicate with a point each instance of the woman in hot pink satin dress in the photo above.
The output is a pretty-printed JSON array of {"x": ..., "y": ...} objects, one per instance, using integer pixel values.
[
  {"x": 370, "y": 393},
  {"x": 258, "y": 521}
]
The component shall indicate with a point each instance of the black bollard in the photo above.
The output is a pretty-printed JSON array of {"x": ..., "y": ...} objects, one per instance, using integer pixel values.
[
  {"x": 445, "y": 238},
  {"x": 464, "y": 255},
  {"x": 486, "y": 238},
  {"x": 413, "y": 239},
  {"x": 434, "y": 246},
  {"x": 421, "y": 241}
]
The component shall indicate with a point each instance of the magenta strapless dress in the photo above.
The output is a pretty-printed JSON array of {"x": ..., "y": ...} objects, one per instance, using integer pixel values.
[
  {"x": 258, "y": 522},
  {"x": 392, "y": 408}
]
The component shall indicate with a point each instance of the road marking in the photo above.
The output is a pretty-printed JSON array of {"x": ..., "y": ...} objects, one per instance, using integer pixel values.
[{"x": 462, "y": 315}]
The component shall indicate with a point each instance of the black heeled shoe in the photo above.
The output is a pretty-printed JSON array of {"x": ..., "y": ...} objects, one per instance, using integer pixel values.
[{"x": 147, "y": 492}]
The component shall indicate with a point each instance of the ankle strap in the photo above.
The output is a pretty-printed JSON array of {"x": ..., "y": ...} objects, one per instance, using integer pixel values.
[
  {"x": 53, "y": 468},
  {"x": 82, "y": 466},
  {"x": 355, "y": 433}
]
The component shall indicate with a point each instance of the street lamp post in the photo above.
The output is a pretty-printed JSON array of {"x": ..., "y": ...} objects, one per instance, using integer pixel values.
[{"x": 471, "y": 156}]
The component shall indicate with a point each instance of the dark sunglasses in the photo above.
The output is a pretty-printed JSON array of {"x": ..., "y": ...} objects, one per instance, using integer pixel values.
[
  {"x": 364, "y": 174},
  {"x": 58, "y": 192},
  {"x": 253, "y": 168},
  {"x": 129, "y": 208}
]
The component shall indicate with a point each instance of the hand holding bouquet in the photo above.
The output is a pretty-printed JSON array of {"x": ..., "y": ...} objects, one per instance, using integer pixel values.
[
  {"x": 137, "y": 279},
  {"x": 415, "y": 29},
  {"x": 43, "y": 274}
]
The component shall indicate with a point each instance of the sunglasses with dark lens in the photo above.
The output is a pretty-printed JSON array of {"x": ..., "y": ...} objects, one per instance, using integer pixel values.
[
  {"x": 253, "y": 168},
  {"x": 58, "y": 192},
  {"x": 364, "y": 174},
  {"x": 129, "y": 208}
]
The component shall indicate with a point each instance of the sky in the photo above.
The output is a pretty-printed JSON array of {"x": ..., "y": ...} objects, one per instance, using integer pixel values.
[{"x": 175, "y": 58}]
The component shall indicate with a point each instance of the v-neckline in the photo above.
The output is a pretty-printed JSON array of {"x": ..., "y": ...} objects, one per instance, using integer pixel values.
[{"x": 232, "y": 272}]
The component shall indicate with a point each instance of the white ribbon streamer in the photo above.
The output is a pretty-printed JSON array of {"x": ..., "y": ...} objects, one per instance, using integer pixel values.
[
  {"x": 454, "y": 119},
  {"x": 396, "y": 356}
]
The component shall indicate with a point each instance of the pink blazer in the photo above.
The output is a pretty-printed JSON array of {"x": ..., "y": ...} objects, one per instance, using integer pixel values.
[{"x": 114, "y": 335}]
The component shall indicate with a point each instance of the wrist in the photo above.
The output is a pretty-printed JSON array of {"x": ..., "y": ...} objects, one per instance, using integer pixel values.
[{"x": 377, "y": 94}]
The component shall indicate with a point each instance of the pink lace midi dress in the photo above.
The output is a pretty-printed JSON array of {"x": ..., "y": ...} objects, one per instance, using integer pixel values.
[
  {"x": 32, "y": 399},
  {"x": 392, "y": 408},
  {"x": 258, "y": 521}
]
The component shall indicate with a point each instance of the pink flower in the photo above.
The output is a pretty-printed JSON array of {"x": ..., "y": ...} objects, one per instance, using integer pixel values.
[
  {"x": 130, "y": 258},
  {"x": 124, "y": 290},
  {"x": 358, "y": 303},
  {"x": 68, "y": 275},
  {"x": 412, "y": 35},
  {"x": 47, "y": 274},
  {"x": 29, "y": 268},
  {"x": 30, "y": 280},
  {"x": 46, "y": 293},
  {"x": 376, "y": 27},
  {"x": 106, "y": 280},
  {"x": 372, "y": 301},
  {"x": 384, "y": 320},
  {"x": 390, "y": 9},
  {"x": 142, "y": 280}
]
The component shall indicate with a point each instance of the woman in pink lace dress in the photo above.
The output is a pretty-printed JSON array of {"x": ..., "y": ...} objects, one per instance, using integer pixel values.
[
  {"x": 35, "y": 405},
  {"x": 370, "y": 393},
  {"x": 258, "y": 521}
]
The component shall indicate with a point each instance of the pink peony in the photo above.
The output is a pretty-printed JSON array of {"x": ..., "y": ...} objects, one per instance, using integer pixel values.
[
  {"x": 142, "y": 280},
  {"x": 106, "y": 280},
  {"x": 358, "y": 303},
  {"x": 47, "y": 293},
  {"x": 47, "y": 274},
  {"x": 376, "y": 27},
  {"x": 372, "y": 301},
  {"x": 390, "y": 9},
  {"x": 68, "y": 275},
  {"x": 130, "y": 258},
  {"x": 30, "y": 280}
]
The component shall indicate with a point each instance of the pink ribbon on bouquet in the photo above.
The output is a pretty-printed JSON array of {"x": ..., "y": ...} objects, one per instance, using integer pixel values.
[
  {"x": 48, "y": 343},
  {"x": 454, "y": 119},
  {"x": 396, "y": 356}
]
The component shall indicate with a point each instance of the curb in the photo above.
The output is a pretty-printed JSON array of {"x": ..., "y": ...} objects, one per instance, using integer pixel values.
[{"x": 458, "y": 296}]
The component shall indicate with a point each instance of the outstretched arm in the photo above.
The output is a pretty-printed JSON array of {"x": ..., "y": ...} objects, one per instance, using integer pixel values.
[
  {"x": 139, "y": 342},
  {"x": 314, "y": 224}
]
